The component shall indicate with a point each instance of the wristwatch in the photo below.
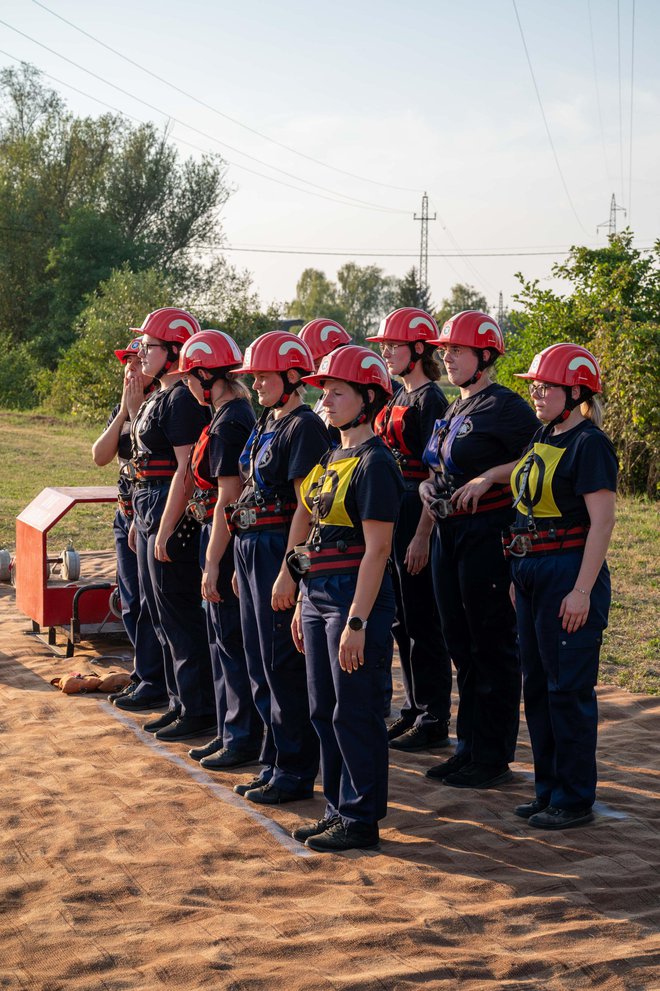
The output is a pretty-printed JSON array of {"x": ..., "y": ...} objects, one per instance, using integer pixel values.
[{"x": 356, "y": 624}]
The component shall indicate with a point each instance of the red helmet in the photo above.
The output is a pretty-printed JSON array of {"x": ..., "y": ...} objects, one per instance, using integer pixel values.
[
  {"x": 565, "y": 364},
  {"x": 277, "y": 351},
  {"x": 471, "y": 329},
  {"x": 354, "y": 364},
  {"x": 210, "y": 349},
  {"x": 322, "y": 336},
  {"x": 169, "y": 324},
  {"x": 406, "y": 324},
  {"x": 131, "y": 349}
]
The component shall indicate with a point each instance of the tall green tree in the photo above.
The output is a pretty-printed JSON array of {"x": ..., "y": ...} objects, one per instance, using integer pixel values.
[
  {"x": 612, "y": 306},
  {"x": 461, "y": 297},
  {"x": 81, "y": 196},
  {"x": 366, "y": 295},
  {"x": 410, "y": 292},
  {"x": 316, "y": 296}
]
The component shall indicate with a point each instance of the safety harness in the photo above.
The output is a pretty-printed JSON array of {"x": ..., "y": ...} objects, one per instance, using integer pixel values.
[
  {"x": 340, "y": 557},
  {"x": 519, "y": 541},
  {"x": 254, "y": 511}
]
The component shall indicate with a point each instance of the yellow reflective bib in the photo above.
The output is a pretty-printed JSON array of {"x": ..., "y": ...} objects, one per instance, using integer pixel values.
[
  {"x": 539, "y": 484},
  {"x": 334, "y": 487}
]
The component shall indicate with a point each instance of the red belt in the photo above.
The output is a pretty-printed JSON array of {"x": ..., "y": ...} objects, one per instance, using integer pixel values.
[
  {"x": 202, "y": 505},
  {"x": 154, "y": 469},
  {"x": 502, "y": 498},
  {"x": 242, "y": 517},
  {"x": 333, "y": 561},
  {"x": 413, "y": 468},
  {"x": 552, "y": 541}
]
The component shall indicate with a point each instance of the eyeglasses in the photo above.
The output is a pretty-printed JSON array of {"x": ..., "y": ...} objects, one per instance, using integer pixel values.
[
  {"x": 147, "y": 347},
  {"x": 388, "y": 348},
  {"x": 455, "y": 351},
  {"x": 540, "y": 390}
]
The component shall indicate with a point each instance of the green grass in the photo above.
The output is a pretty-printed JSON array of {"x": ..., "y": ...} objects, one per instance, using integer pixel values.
[{"x": 37, "y": 451}]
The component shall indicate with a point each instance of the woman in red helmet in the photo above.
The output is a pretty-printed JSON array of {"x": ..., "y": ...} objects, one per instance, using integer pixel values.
[
  {"x": 115, "y": 441},
  {"x": 321, "y": 337},
  {"x": 207, "y": 359},
  {"x": 163, "y": 434},
  {"x": 406, "y": 424},
  {"x": 343, "y": 618},
  {"x": 564, "y": 490},
  {"x": 287, "y": 441},
  {"x": 487, "y": 425}
]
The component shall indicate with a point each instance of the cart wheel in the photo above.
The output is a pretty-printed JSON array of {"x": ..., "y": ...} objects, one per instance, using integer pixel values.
[
  {"x": 114, "y": 603},
  {"x": 70, "y": 564},
  {"x": 5, "y": 565},
  {"x": 12, "y": 571}
]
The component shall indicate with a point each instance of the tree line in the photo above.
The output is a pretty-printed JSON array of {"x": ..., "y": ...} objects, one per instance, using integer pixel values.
[{"x": 101, "y": 221}]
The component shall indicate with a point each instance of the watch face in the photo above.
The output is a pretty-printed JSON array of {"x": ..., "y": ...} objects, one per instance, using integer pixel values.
[{"x": 355, "y": 623}]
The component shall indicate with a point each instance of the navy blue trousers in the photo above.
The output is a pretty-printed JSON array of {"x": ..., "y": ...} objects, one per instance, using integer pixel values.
[
  {"x": 290, "y": 751},
  {"x": 127, "y": 575},
  {"x": 425, "y": 662},
  {"x": 560, "y": 671},
  {"x": 239, "y": 725},
  {"x": 347, "y": 709},
  {"x": 172, "y": 594},
  {"x": 471, "y": 579}
]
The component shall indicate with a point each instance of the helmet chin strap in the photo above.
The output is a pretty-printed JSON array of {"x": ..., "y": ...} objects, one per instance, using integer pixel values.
[
  {"x": 172, "y": 357},
  {"x": 364, "y": 416},
  {"x": 569, "y": 406},
  {"x": 414, "y": 358},
  {"x": 207, "y": 384},
  {"x": 481, "y": 368},
  {"x": 288, "y": 388}
]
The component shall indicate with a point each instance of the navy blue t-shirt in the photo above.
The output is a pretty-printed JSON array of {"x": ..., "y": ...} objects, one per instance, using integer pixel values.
[
  {"x": 228, "y": 434},
  {"x": 357, "y": 483},
  {"x": 567, "y": 466},
  {"x": 487, "y": 429},
  {"x": 167, "y": 419},
  {"x": 280, "y": 450}
]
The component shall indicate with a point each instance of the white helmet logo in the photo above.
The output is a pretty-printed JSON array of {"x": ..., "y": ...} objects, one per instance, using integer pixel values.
[
  {"x": 421, "y": 322},
  {"x": 446, "y": 330},
  {"x": 536, "y": 361},
  {"x": 326, "y": 331},
  {"x": 373, "y": 359},
  {"x": 575, "y": 363},
  {"x": 230, "y": 341},
  {"x": 325, "y": 364},
  {"x": 199, "y": 346},
  {"x": 175, "y": 324},
  {"x": 489, "y": 325},
  {"x": 293, "y": 346}
]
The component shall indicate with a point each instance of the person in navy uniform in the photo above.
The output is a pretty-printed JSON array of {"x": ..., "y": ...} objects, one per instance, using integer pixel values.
[
  {"x": 565, "y": 493},
  {"x": 343, "y": 618},
  {"x": 207, "y": 359},
  {"x": 163, "y": 434},
  {"x": 286, "y": 443},
  {"x": 406, "y": 424},
  {"x": 322, "y": 336},
  {"x": 115, "y": 441},
  {"x": 486, "y": 426}
]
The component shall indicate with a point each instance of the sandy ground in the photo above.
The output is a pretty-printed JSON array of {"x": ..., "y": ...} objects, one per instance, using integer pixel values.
[{"x": 125, "y": 866}]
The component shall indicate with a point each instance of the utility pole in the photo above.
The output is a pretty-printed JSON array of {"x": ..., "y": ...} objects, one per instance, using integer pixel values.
[
  {"x": 500, "y": 309},
  {"x": 611, "y": 223},
  {"x": 424, "y": 243}
]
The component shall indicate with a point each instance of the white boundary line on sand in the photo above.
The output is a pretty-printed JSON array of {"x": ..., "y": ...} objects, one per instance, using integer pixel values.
[{"x": 221, "y": 792}]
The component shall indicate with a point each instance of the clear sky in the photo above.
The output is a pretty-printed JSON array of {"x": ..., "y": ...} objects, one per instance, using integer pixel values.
[{"x": 416, "y": 96}]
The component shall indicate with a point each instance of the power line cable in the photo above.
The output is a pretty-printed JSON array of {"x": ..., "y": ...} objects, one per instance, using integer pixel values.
[
  {"x": 180, "y": 140},
  {"x": 545, "y": 122},
  {"x": 598, "y": 104},
  {"x": 618, "y": 45},
  {"x": 632, "y": 79},
  {"x": 220, "y": 113},
  {"x": 351, "y": 199}
]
